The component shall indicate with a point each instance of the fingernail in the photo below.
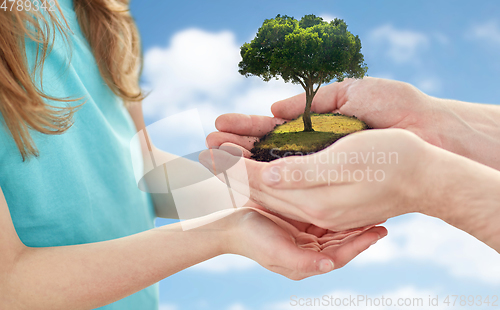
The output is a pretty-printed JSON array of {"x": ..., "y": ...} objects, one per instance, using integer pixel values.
[
  {"x": 271, "y": 175},
  {"x": 379, "y": 237},
  {"x": 325, "y": 265},
  {"x": 383, "y": 234}
]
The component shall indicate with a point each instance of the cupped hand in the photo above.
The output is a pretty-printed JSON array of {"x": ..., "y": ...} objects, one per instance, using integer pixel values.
[
  {"x": 362, "y": 179},
  {"x": 294, "y": 249},
  {"x": 381, "y": 103}
]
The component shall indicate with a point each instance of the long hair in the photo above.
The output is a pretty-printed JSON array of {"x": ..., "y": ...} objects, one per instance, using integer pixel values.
[{"x": 115, "y": 43}]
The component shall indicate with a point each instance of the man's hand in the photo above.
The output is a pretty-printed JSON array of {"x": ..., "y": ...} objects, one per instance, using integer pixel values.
[
  {"x": 368, "y": 177},
  {"x": 378, "y": 102},
  {"x": 426, "y": 179},
  {"x": 363, "y": 179},
  {"x": 467, "y": 129}
]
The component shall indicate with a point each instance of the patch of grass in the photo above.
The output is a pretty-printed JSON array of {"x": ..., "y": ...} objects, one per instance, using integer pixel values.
[
  {"x": 328, "y": 122},
  {"x": 328, "y": 128}
]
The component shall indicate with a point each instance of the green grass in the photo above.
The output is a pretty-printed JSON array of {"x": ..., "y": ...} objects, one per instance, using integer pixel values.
[{"x": 328, "y": 128}]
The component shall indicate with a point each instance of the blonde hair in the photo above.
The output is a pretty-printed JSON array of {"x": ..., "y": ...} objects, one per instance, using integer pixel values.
[{"x": 115, "y": 43}]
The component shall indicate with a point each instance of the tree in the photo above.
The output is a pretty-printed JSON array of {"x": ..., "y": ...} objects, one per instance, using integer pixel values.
[{"x": 308, "y": 52}]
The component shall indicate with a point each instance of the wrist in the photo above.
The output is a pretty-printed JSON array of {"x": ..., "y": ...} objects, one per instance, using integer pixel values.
[
  {"x": 235, "y": 233},
  {"x": 214, "y": 230},
  {"x": 229, "y": 234},
  {"x": 453, "y": 131},
  {"x": 442, "y": 125},
  {"x": 464, "y": 194},
  {"x": 467, "y": 129}
]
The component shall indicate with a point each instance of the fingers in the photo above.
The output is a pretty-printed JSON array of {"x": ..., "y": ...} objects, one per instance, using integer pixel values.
[
  {"x": 219, "y": 160},
  {"x": 246, "y": 125},
  {"x": 357, "y": 245},
  {"x": 289, "y": 108},
  {"x": 215, "y": 139},
  {"x": 240, "y": 171},
  {"x": 279, "y": 252},
  {"x": 316, "y": 231},
  {"x": 298, "y": 263},
  {"x": 229, "y": 147},
  {"x": 328, "y": 99},
  {"x": 246, "y": 180},
  {"x": 299, "y": 203}
]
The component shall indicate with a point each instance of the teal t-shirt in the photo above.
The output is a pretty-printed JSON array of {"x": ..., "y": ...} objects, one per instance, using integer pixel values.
[{"x": 81, "y": 189}]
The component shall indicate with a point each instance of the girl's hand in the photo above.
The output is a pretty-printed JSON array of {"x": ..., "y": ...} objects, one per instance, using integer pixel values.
[{"x": 294, "y": 249}]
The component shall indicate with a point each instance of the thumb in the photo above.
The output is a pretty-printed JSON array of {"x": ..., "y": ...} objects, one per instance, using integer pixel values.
[
  {"x": 300, "y": 263},
  {"x": 289, "y": 108},
  {"x": 328, "y": 98}
]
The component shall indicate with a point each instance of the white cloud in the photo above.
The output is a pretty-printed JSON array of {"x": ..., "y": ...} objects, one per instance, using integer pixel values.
[
  {"x": 402, "y": 298},
  {"x": 432, "y": 241},
  {"x": 260, "y": 96},
  {"x": 225, "y": 263},
  {"x": 237, "y": 306},
  {"x": 488, "y": 31},
  {"x": 328, "y": 17},
  {"x": 167, "y": 307},
  {"x": 199, "y": 69},
  {"x": 402, "y": 46},
  {"x": 197, "y": 65}
]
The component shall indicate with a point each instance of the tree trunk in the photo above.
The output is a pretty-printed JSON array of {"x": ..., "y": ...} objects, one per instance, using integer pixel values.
[{"x": 306, "y": 117}]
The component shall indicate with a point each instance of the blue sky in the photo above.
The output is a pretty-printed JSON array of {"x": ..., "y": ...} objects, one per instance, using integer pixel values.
[{"x": 446, "y": 48}]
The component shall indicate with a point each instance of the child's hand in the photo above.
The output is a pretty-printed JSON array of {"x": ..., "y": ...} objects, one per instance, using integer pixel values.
[{"x": 294, "y": 249}]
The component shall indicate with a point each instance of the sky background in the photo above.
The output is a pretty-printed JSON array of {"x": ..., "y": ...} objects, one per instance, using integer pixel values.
[{"x": 447, "y": 49}]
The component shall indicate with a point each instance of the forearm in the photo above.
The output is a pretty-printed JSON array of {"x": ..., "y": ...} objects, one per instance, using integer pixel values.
[
  {"x": 158, "y": 166},
  {"x": 465, "y": 194},
  {"x": 92, "y": 275},
  {"x": 152, "y": 158},
  {"x": 156, "y": 180},
  {"x": 470, "y": 129}
]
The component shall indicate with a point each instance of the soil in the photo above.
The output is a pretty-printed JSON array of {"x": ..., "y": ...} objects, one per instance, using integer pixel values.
[{"x": 289, "y": 139}]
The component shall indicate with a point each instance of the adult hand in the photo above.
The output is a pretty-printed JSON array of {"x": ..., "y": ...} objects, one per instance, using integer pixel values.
[
  {"x": 467, "y": 129},
  {"x": 294, "y": 249},
  {"x": 380, "y": 103},
  {"x": 370, "y": 176},
  {"x": 364, "y": 178},
  {"x": 441, "y": 184}
]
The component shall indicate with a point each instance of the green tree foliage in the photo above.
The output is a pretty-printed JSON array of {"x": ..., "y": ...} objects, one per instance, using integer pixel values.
[{"x": 309, "y": 52}]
